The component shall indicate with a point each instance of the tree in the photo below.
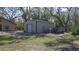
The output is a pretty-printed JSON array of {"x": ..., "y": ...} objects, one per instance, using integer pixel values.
[
  {"x": 10, "y": 13},
  {"x": 19, "y": 24},
  {"x": 75, "y": 16},
  {"x": 68, "y": 19},
  {"x": 36, "y": 13},
  {"x": 25, "y": 13}
]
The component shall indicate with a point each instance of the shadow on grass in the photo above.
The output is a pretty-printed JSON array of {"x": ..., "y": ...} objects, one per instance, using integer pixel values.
[
  {"x": 73, "y": 47},
  {"x": 6, "y": 40},
  {"x": 17, "y": 39},
  {"x": 4, "y": 43},
  {"x": 31, "y": 34},
  {"x": 62, "y": 41},
  {"x": 23, "y": 34},
  {"x": 40, "y": 35}
]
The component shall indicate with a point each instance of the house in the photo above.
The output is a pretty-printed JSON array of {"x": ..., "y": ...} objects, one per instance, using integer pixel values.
[
  {"x": 7, "y": 25},
  {"x": 38, "y": 26}
]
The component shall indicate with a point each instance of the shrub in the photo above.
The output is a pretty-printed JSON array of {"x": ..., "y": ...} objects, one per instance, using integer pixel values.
[{"x": 75, "y": 32}]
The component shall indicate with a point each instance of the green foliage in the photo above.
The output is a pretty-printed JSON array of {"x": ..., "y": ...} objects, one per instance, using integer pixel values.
[
  {"x": 62, "y": 40},
  {"x": 19, "y": 24},
  {"x": 38, "y": 42},
  {"x": 75, "y": 29},
  {"x": 6, "y": 40}
]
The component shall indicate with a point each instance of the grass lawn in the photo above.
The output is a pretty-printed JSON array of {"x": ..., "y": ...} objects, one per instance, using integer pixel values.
[{"x": 40, "y": 42}]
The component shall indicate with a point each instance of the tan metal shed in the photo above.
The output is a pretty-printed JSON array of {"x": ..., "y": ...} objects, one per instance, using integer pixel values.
[{"x": 38, "y": 26}]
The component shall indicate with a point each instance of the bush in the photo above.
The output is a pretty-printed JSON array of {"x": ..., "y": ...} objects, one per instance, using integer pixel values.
[
  {"x": 19, "y": 25},
  {"x": 75, "y": 32}
]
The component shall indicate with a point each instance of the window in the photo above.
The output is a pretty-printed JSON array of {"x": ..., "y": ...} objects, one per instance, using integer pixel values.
[
  {"x": 0, "y": 27},
  {"x": 0, "y": 20},
  {"x": 6, "y": 27}
]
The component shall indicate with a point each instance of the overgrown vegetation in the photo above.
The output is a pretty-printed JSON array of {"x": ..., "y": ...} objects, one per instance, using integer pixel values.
[
  {"x": 6, "y": 40},
  {"x": 40, "y": 42},
  {"x": 19, "y": 25}
]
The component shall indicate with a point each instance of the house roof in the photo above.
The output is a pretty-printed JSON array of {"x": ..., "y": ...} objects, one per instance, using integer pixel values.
[
  {"x": 41, "y": 21},
  {"x": 7, "y": 20}
]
